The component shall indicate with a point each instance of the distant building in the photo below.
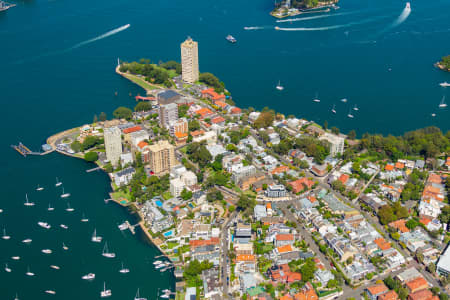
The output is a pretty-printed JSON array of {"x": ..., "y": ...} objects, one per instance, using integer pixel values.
[
  {"x": 124, "y": 177},
  {"x": 167, "y": 97},
  {"x": 189, "y": 61},
  {"x": 336, "y": 143},
  {"x": 176, "y": 187},
  {"x": 178, "y": 127},
  {"x": 443, "y": 265},
  {"x": 275, "y": 191},
  {"x": 168, "y": 114},
  {"x": 189, "y": 178},
  {"x": 161, "y": 157},
  {"x": 113, "y": 144}
]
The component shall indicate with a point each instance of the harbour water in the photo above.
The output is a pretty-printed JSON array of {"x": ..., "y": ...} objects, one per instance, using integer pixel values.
[{"x": 57, "y": 62}]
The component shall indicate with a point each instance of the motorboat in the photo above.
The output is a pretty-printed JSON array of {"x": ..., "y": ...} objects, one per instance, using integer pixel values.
[
  {"x": 95, "y": 238},
  {"x": 408, "y": 5},
  {"x": 27, "y": 241},
  {"x": 46, "y": 251},
  {"x": 444, "y": 84},
  {"x": 54, "y": 267},
  {"x": 124, "y": 270},
  {"x": 105, "y": 293},
  {"x": 39, "y": 188},
  {"x": 44, "y": 225},
  {"x": 7, "y": 269},
  {"x": 433, "y": 115},
  {"x": 51, "y": 292},
  {"x": 123, "y": 226},
  {"x": 58, "y": 183},
  {"x": 344, "y": 100},
  {"x": 333, "y": 110},
  {"x": 231, "y": 39},
  {"x": 5, "y": 236},
  {"x": 279, "y": 86},
  {"x": 15, "y": 257},
  {"x": 106, "y": 252},
  {"x": 137, "y": 297},
  {"x": 355, "y": 108},
  {"x": 28, "y": 203},
  {"x": 64, "y": 226},
  {"x": 65, "y": 247},
  {"x": 89, "y": 276},
  {"x": 157, "y": 262}
]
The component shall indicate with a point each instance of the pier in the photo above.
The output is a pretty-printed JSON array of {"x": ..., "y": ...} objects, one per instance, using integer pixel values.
[{"x": 93, "y": 169}]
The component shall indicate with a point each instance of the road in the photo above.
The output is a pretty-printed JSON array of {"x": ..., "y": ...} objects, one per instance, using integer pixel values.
[{"x": 224, "y": 264}]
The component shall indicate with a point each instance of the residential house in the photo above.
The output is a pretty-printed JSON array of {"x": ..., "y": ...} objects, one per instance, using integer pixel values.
[
  {"x": 124, "y": 176},
  {"x": 374, "y": 291}
]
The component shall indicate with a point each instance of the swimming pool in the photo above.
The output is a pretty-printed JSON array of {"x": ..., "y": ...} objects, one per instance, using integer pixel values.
[
  {"x": 168, "y": 233},
  {"x": 158, "y": 203}
]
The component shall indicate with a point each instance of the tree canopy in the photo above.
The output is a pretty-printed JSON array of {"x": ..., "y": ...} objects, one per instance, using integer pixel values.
[
  {"x": 123, "y": 113},
  {"x": 91, "y": 156},
  {"x": 143, "y": 106},
  {"x": 211, "y": 80}
]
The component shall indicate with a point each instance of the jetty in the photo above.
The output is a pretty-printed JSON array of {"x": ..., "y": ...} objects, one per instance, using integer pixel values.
[
  {"x": 24, "y": 150},
  {"x": 93, "y": 169}
]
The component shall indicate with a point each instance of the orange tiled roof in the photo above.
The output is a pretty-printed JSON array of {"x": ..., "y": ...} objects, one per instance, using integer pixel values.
[
  {"x": 312, "y": 199},
  {"x": 204, "y": 111},
  {"x": 285, "y": 237},
  {"x": 417, "y": 284},
  {"x": 424, "y": 221},
  {"x": 377, "y": 289},
  {"x": 382, "y": 244},
  {"x": 399, "y": 165},
  {"x": 245, "y": 257},
  {"x": 434, "y": 178},
  {"x": 212, "y": 93},
  {"x": 132, "y": 129},
  {"x": 421, "y": 295},
  {"x": 221, "y": 104},
  {"x": 198, "y": 243},
  {"x": 391, "y": 295},
  {"x": 389, "y": 167},
  {"x": 343, "y": 178},
  {"x": 280, "y": 169},
  {"x": 197, "y": 133},
  {"x": 236, "y": 110},
  {"x": 269, "y": 205},
  {"x": 284, "y": 249},
  {"x": 286, "y": 297},
  {"x": 218, "y": 119},
  {"x": 142, "y": 144},
  {"x": 180, "y": 135},
  {"x": 300, "y": 184},
  {"x": 400, "y": 225}
]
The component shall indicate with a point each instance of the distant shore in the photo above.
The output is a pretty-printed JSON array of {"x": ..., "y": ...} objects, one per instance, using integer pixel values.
[{"x": 441, "y": 67}]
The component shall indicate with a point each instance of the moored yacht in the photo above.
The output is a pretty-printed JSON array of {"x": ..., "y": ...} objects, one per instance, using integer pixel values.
[
  {"x": 124, "y": 270},
  {"x": 355, "y": 108},
  {"x": 15, "y": 257},
  {"x": 106, "y": 252},
  {"x": 65, "y": 195},
  {"x": 54, "y": 267},
  {"x": 231, "y": 39},
  {"x": 29, "y": 273},
  {"x": 123, "y": 226},
  {"x": 444, "y": 84},
  {"x": 89, "y": 276},
  {"x": 27, "y": 241},
  {"x": 105, "y": 293},
  {"x": 138, "y": 297},
  {"x": 443, "y": 104},
  {"x": 84, "y": 219},
  {"x": 344, "y": 100},
  {"x": 69, "y": 208},
  {"x": 65, "y": 247},
  {"x": 350, "y": 115},
  {"x": 279, "y": 86},
  {"x": 7, "y": 269},
  {"x": 46, "y": 251},
  {"x": 51, "y": 292},
  {"x": 44, "y": 225},
  {"x": 64, "y": 226},
  {"x": 58, "y": 183},
  {"x": 95, "y": 238},
  {"x": 50, "y": 208},
  {"x": 333, "y": 110},
  {"x": 39, "y": 188},
  {"x": 5, "y": 236},
  {"x": 28, "y": 203}
]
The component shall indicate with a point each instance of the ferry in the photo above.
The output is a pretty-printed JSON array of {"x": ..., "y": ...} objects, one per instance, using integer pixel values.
[
  {"x": 51, "y": 292},
  {"x": 89, "y": 276},
  {"x": 54, "y": 267},
  {"x": 444, "y": 84},
  {"x": 46, "y": 251},
  {"x": 44, "y": 225},
  {"x": 231, "y": 39},
  {"x": 105, "y": 293}
]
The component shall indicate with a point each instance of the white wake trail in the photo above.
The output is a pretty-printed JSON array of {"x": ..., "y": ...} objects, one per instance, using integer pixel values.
[
  {"x": 100, "y": 37},
  {"x": 314, "y": 17},
  {"x": 402, "y": 18}
]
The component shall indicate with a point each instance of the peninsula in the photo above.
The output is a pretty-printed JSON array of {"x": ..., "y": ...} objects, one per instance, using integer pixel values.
[
  {"x": 248, "y": 203},
  {"x": 289, "y": 8},
  {"x": 444, "y": 64}
]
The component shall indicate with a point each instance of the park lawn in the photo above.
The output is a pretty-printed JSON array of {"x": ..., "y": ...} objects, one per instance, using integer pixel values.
[
  {"x": 184, "y": 149},
  {"x": 120, "y": 194},
  {"x": 141, "y": 82},
  {"x": 171, "y": 245}
]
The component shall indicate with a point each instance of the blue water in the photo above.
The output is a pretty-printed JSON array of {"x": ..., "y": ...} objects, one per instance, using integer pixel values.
[{"x": 51, "y": 79}]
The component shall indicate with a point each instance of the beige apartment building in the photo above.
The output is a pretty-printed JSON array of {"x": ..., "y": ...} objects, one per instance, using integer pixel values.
[
  {"x": 189, "y": 61},
  {"x": 161, "y": 157}
]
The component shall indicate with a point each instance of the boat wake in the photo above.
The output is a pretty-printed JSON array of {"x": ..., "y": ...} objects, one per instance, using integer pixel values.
[
  {"x": 100, "y": 37},
  {"x": 254, "y": 28},
  {"x": 402, "y": 18},
  {"x": 314, "y": 17},
  {"x": 328, "y": 27}
]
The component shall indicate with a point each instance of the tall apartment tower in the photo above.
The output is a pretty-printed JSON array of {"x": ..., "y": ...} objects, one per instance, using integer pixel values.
[
  {"x": 168, "y": 114},
  {"x": 189, "y": 61},
  {"x": 161, "y": 157},
  {"x": 113, "y": 144}
]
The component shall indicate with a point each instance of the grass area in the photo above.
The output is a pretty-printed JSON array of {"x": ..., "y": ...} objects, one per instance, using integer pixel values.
[
  {"x": 184, "y": 150},
  {"x": 141, "y": 82},
  {"x": 172, "y": 73},
  {"x": 120, "y": 194},
  {"x": 172, "y": 245},
  {"x": 167, "y": 195},
  {"x": 180, "y": 296}
]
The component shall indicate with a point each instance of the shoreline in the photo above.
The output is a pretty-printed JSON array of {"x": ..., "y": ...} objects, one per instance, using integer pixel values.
[
  {"x": 51, "y": 141},
  {"x": 441, "y": 67}
]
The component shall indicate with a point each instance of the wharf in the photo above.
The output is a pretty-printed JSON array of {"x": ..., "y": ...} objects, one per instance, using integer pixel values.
[{"x": 24, "y": 150}]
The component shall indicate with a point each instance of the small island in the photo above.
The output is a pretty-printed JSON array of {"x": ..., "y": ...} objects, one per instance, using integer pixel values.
[
  {"x": 289, "y": 8},
  {"x": 444, "y": 64}
]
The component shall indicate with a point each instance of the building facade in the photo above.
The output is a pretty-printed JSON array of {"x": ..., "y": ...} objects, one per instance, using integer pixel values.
[
  {"x": 168, "y": 114},
  {"x": 336, "y": 143},
  {"x": 113, "y": 144},
  {"x": 161, "y": 157},
  {"x": 189, "y": 61},
  {"x": 179, "y": 126}
]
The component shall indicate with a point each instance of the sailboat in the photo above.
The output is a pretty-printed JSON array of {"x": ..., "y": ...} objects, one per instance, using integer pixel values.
[
  {"x": 65, "y": 195},
  {"x": 350, "y": 115},
  {"x": 84, "y": 219},
  {"x": 355, "y": 108},
  {"x": 29, "y": 273},
  {"x": 124, "y": 270},
  {"x": 69, "y": 208},
  {"x": 333, "y": 110},
  {"x": 5, "y": 237},
  {"x": 17, "y": 297},
  {"x": 50, "y": 208},
  {"x": 39, "y": 188},
  {"x": 105, "y": 293},
  {"x": 137, "y": 297},
  {"x": 95, "y": 238},
  {"x": 316, "y": 99},
  {"x": 28, "y": 203},
  {"x": 279, "y": 86},
  {"x": 65, "y": 247},
  {"x": 89, "y": 276},
  {"x": 106, "y": 252},
  {"x": 443, "y": 104},
  {"x": 58, "y": 183},
  {"x": 7, "y": 269}
]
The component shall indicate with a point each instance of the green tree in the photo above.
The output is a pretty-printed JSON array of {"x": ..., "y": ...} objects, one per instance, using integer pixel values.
[
  {"x": 246, "y": 203},
  {"x": 335, "y": 130},
  {"x": 143, "y": 106},
  {"x": 102, "y": 117},
  {"x": 265, "y": 119},
  {"x": 186, "y": 195},
  {"x": 307, "y": 269},
  {"x": 211, "y": 80},
  {"x": 123, "y": 113},
  {"x": 386, "y": 214},
  {"x": 89, "y": 142},
  {"x": 76, "y": 146},
  {"x": 95, "y": 119},
  {"x": 193, "y": 125},
  {"x": 352, "y": 134},
  {"x": 91, "y": 156}
]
